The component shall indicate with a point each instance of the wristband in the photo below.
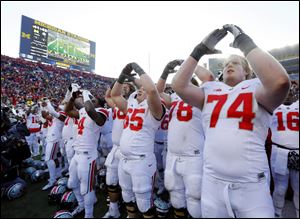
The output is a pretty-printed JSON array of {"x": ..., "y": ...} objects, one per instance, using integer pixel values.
[
  {"x": 121, "y": 78},
  {"x": 199, "y": 51},
  {"x": 244, "y": 43}
]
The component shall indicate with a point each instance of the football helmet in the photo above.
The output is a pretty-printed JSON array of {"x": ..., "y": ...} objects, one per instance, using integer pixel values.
[
  {"x": 162, "y": 207},
  {"x": 101, "y": 179},
  {"x": 37, "y": 175},
  {"x": 28, "y": 172},
  {"x": 15, "y": 191},
  {"x": 68, "y": 201},
  {"x": 55, "y": 194},
  {"x": 36, "y": 164},
  {"x": 42, "y": 165},
  {"x": 62, "y": 181},
  {"x": 63, "y": 214},
  {"x": 28, "y": 162}
]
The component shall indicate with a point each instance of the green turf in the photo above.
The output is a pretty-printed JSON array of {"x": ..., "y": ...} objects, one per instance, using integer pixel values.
[{"x": 34, "y": 204}]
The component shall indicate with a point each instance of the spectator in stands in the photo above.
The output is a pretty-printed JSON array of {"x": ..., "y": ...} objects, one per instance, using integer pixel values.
[{"x": 23, "y": 81}]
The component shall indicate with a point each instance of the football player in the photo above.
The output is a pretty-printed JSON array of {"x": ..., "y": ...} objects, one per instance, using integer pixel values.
[
  {"x": 137, "y": 165},
  {"x": 236, "y": 115}
]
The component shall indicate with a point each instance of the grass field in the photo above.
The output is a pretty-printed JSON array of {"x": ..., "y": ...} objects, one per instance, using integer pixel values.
[{"x": 34, "y": 204}]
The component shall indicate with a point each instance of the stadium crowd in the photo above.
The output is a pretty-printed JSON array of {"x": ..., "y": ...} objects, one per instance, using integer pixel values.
[{"x": 23, "y": 81}]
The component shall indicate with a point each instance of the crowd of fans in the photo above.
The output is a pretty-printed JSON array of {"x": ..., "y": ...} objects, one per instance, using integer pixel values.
[{"x": 25, "y": 82}]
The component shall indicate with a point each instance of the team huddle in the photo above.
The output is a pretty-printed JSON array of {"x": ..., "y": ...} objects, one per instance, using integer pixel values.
[{"x": 197, "y": 149}]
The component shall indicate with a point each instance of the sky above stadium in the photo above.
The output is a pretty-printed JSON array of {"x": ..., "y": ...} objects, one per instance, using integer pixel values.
[{"x": 153, "y": 33}]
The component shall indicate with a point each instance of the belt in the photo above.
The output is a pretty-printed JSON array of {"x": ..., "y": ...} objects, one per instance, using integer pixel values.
[
  {"x": 284, "y": 147},
  {"x": 83, "y": 152},
  {"x": 159, "y": 142},
  {"x": 133, "y": 157}
]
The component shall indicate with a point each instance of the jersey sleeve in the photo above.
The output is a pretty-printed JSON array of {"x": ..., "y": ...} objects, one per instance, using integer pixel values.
[
  {"x": 103, "y": 111},
  {"x": 63, "y": 113}
]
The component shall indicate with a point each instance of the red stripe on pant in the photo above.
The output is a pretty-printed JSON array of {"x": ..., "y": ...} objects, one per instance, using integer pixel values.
[
  {"x": 152, "y": 192},
  {"x": 53, "y": 151},
  {"x": 92, "y": 175},
  {"x": 34, "y": 130}
]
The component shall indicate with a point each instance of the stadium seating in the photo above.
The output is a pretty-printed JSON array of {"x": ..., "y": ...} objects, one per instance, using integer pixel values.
[{"x": 23, "y": 81}]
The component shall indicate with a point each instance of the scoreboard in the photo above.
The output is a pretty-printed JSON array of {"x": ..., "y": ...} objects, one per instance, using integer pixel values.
[{"x": 45, "y": 43}]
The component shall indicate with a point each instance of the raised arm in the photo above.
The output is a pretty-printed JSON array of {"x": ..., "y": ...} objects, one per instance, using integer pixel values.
[
  {"x": 116, "y": 92},
  {"x": 98, "y": 118},
  {"x": 153, "y": 97},
  {"x": 70, "y": 97},
  {"x": 181, "y": 82},
  {"x": 134, "y": 80},
  {"x": 108, "y": 98},
  {"x": 203, "y": 74},
  {"x": 274, "y": 78},
  {"x": 161, "y": 84},
  {"x": 69, "y": 109},
  {"x": 52, "y": 111}
]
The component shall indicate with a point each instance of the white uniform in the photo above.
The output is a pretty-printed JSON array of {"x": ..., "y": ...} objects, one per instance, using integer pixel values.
[
  {"x": 34, "y": 127},
  {"x": 137, "y": 164},
  {"x": 69, "y": 134},
  {"x": 235, "y": 160},
  {"x": 54, "y": 137},
  {"x": 43, "y": 135},
  {"x": 285, "y": 132},
  {"x": 88, "y": 131},
  {"x": 160, "y": 144},
  {"x": 112, "y": 160},
  {"x": 183, "y": 174},
  {"x": 106, "y": 133},
  {"x": 161, "y": 139},
  {"x": 54, "y": 142},
  {"x": 83, "y": 165}
]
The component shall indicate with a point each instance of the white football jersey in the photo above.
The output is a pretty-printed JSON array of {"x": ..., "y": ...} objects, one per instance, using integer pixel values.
[
  {"x": 162, "y": 132},
  {"x": 285, "y": 125},
  {"x": 139, "y": 129},
  {"x": 88, "y": 132},
  {"x": 107, "y": 127},
  {"x": 118, "y": 124},
  {"x": 70, "y": 128},
  {"x": 44, "y": 129},
  {"x": 32, "y": 123},
  {"x": 185, "y": 134},
  {"x": 55, "y": 128},
  {"x": 236, "y": 128}
]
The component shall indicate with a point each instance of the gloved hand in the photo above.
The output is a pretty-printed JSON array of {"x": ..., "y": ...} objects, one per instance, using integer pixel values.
[
  {"x": 75, "y": 90},
  {"x": 207, "y": 46},
  {"x": 126, "y": 71},
  {"x": 130, "y": 77},
  {"x": 87, "y": 96},
  {"x": 137, "y": 69},
  {"x": 170, "y": 68},
  {"x": 241, "y": 40},
  {"x": 75, "y": 87},
  {"x": 68, "y": 95}
]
